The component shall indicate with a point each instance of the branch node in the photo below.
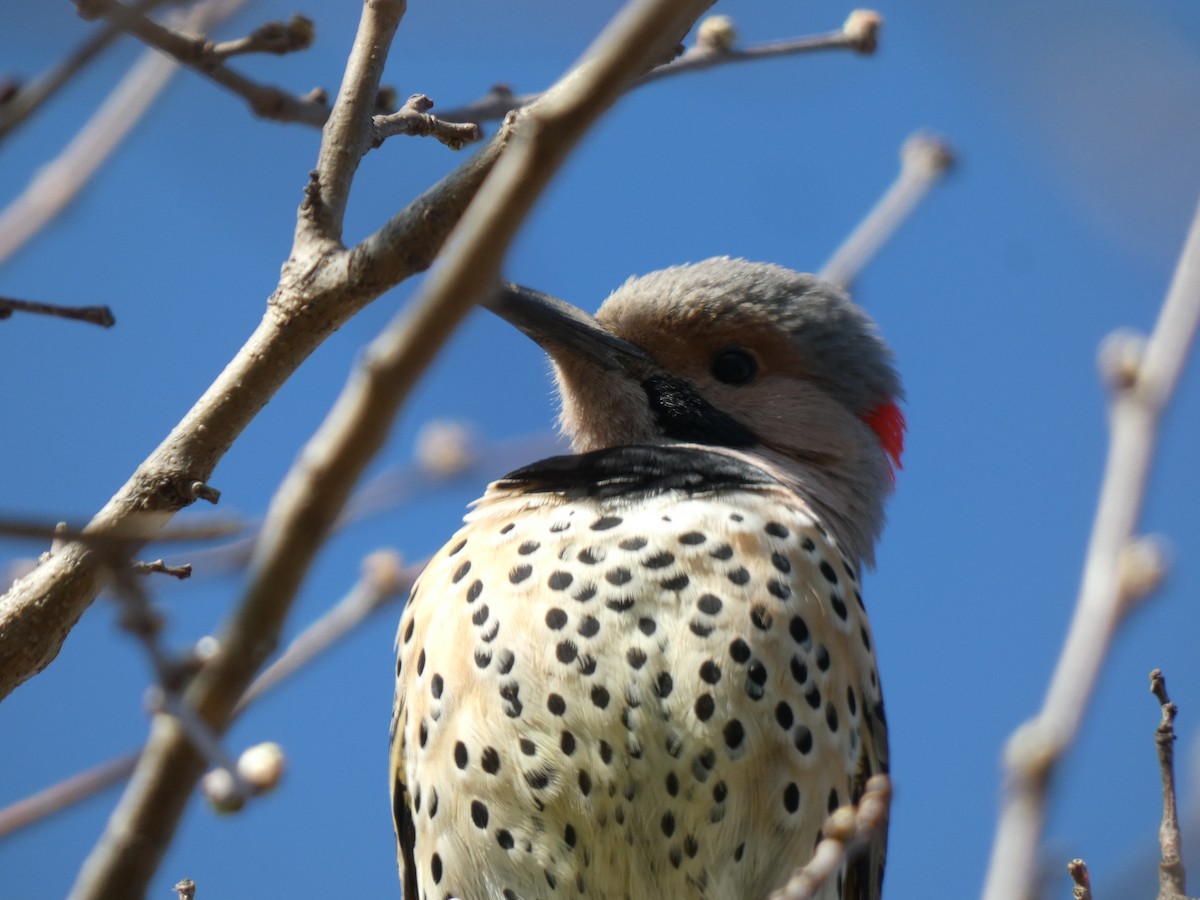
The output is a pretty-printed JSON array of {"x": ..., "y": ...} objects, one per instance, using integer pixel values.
[
  {"x": 1120, "y": 359},
  {"x": 159, "y": 566},
  {"x": 262, "y": 766},
  {"x": 198, "y": 490},
  {"x": 1141, "y": 567},
  {"x": 1078, "y": 871},
  {"x": 927, "y": 153},
  {"x": 716, "y": 34},
  {"x": 861, "y": 30},
  {"x": 186, "y": 888}
]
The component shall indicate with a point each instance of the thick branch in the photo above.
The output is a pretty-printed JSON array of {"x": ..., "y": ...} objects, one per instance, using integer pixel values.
[{"x": 1116, "y": 572}]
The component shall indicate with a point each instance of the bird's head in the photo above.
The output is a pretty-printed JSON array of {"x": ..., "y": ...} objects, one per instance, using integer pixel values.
[{"x": 731, "y": 354}]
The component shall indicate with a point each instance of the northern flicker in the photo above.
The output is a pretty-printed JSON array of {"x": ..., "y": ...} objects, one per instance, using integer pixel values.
[{"x": 645, "y": 670}]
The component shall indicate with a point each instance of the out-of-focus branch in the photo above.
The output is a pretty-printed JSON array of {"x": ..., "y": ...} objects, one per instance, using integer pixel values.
[
  {"x": 201, "y": 55},
  {"x": 847, "y": 830},
  {"x": 1082, "y": 889},
  {"x": 58, "y": 182},
  {"x": 96, "y": 315},
  {"x": 1118, "y": 571},
  {"x": 924, "y": 160},
  {"x": 29, "y": 98},
  {"x": 382, "y": 582},
  {"x": 715, "y": 46}
]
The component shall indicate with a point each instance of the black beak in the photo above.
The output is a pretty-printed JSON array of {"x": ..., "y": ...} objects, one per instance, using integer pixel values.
[{"x": 557, "y": 325}]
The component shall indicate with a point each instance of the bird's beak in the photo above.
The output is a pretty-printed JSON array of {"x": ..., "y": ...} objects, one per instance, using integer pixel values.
[{"x": 557, "y": 326}]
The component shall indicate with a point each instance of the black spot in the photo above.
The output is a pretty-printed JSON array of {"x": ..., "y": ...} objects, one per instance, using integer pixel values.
[
  {"x": 776, "y": 530},
  {"x": 490, "y": 760},
  {"x": 538, "y": 779},
  {"x": 791, "y": 797},
  {"x": 483, "y": 657},
  {"x": 692, "y": 538},
  {"x": 675, "y": 856},
  {"x": 528, "y": 547},
  {"x": 831, "y": 716},
  {"x": 587, "y": 664},
  {"x": 489, "y": 633},
  {"x": 647, "y": 626},
  {"x": 506, "y": 661},
  {"x": 822, "y": 658},
  {"x": 866, "y": 638},
  {"x": 433, "y": 803},
  {"x": 435, "y": 868},
  {"x": 710, "y": 672},
  {"x": 690, "y": 846},
  {"x": 659, "y": 560},
  {"x": 736, "y": 517},
  {"x": 606, "y": 522},
  {"x": 509, "y": 527},
  {"x": 460, "y": 755},
  {"x": 606, "y": 753},
  {"x": 560, "y": 581},
  {"x": 827, "y": 571},
  {"x": 528, "y": 747},
  {"x": 505, "y": 839},
  {"x": 808, "y": 544},
  {"x": 734, "y": 734},
  {"x": 709, "y": 604},
  {"x": 509, "y": 691},
  {"x": 457, "y": 547},
  {"x": 635, "y": 657},
  {"x": 784, "y": 715},
  {"x": 778, "y": 589},
  {"x": 520, "y": 573},
  {"x": 781, "y": 562},
  {"x": 668, "y": 824},
  {"x": 566, "y": 652},
  {"x": 813, "y": 696},
  {"x": 833, "y": 803},
  {"x": 510, "y": 894},
  {"x": 739, "y": 852},
  {"x": 678, "y": 583},
  {"x": 556, "y": 619},
  {"x": 705, "y": 706},
  {"x": 739, "y": 650},
  {"x": 633, "y": 543},
  {"x": 585, "y": 783},
  {"x": 479, "y": 814},
  {"x": 567, "y": 743},
  {"x": 585, "y": 593},
  {"x": 421, "y": 662},
  {"x": 620, "y": 604},
  {"x": 618, "y": 576},
  {"x": 798, "y": 629},
  {"x": 550, "y": 879},
  {"x": 672, "y": 784},
  {"x": 435, "y": 686},
  {"x": 739, "y": 576},
  {"x": 480, "y": 615},
  {"x": 600, "y": 697},
  {"x": 851, "y": 701},
  {"x": 461, "y": 572},
  {"x": 799, "y": 670},
  {"x": 588, "y": 556},
  {"x": 569, "y": 835},
  {"x": 839, "y": 605},
  {"x": 700, "y": 629},
  {"x": 556, "y": 704},
  {"x": 674, "y": 746},
  {"x": 559, "y": 526},
  {"x": 803, "y": 739},
  {"x": 858, "y": 599},
  {"x": 720, "y": 792},
  {"x": 760, "y": 617},
  {"x": 417, "y": 799},
  {"x": 423, "y": 733},
  {"x": 723, "y": 552},
  {"x": 474, "y": 590},
  {"x": 589, "y": 626},
  {"x": 664, "y": 684}
]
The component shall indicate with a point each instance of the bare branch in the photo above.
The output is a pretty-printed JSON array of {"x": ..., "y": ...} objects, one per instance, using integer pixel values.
[
  {"x": 1082, "y": 890},
  {"x": 924, "y": 160},
  {"x": 279, "y": 38},
  {"x": 1172, "y": 878},
  {"x": 197, "y": 54},
  {"x": 159, "y": 566},
  {"x": 65, "y": 794},
  {"x": 1140, "y": 391},
  {"x": 847, "y": 830},
  {"x": 413, "y": 119},
  {"x": 96, "y": 315},
  {"x": 186, "y": 888}
]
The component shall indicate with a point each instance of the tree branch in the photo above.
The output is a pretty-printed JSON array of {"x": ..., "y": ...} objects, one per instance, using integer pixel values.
[
  {"x": 96, "y": 315},
  {"x": 1118, "y": 571},
  {"x": 1172, "y": 877}
]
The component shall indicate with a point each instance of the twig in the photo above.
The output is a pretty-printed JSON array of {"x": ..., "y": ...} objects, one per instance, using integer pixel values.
[
  {"x": 58, "y": 182},
  {"x": 1172, "y": 878},
  {"x": 382, "y": 582},
  {"x": 714, "y": 47},
  {"x": 1082, "y": 890},
  {"x": 159, "y": 566},
  {"x": 414, "y": 119},
  {"x": 186, "y": 888},
  {"x": 96, "y": 315},
  {"x": 924, "y": 160},
  {"x": 846, "y": 831},
  {"x": 279, "y": 38},
  {"x": 29, "y": 98},
  {"x": 197, "y": 54},
  {"x": 1142, "y": 379}
]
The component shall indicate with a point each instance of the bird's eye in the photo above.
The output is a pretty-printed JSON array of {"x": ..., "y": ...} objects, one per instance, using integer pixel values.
[{"x": 734, "y": 365}]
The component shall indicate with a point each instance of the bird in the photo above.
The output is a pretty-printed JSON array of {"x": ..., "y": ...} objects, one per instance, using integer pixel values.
[{"x": 644, "y": 669}]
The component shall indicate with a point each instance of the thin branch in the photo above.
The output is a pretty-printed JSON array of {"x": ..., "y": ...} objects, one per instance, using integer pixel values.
[
  {"x": 414, "y": 119},
  {"x": 714, "y": 47},
  {"x": 382, "y": 582},
  {"x": 58, "y": 182},
  {"x": 1117, "y": 571},
  {"x": 1078, "y": 871},
  {"x": 28, "y": 99},
  {"x": 197, "y": 54},
  {"x": 96, "y": 315},
  {"x": 298, "y": 33},
  {"x": 159, "y": 566},
  {"x": 313, "y": 492},
  {"x": 924, "y": 160},
  {"x": 847, "y": 830},
  {"x": 1172, "y": 878}
]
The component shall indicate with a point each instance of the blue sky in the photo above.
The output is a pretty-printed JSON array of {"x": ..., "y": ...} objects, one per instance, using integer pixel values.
[{"x": 1077, "y": 131}]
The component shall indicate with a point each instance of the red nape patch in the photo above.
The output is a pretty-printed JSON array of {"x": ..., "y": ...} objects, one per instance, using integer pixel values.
[{"x": 887, "y": 421}]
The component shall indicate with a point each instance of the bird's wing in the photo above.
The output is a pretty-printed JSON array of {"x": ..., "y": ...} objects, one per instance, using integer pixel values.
[{"x": 402, "y": 814}]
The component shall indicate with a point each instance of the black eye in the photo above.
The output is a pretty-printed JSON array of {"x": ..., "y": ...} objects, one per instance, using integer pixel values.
[{"x": 734, "y": 365}]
